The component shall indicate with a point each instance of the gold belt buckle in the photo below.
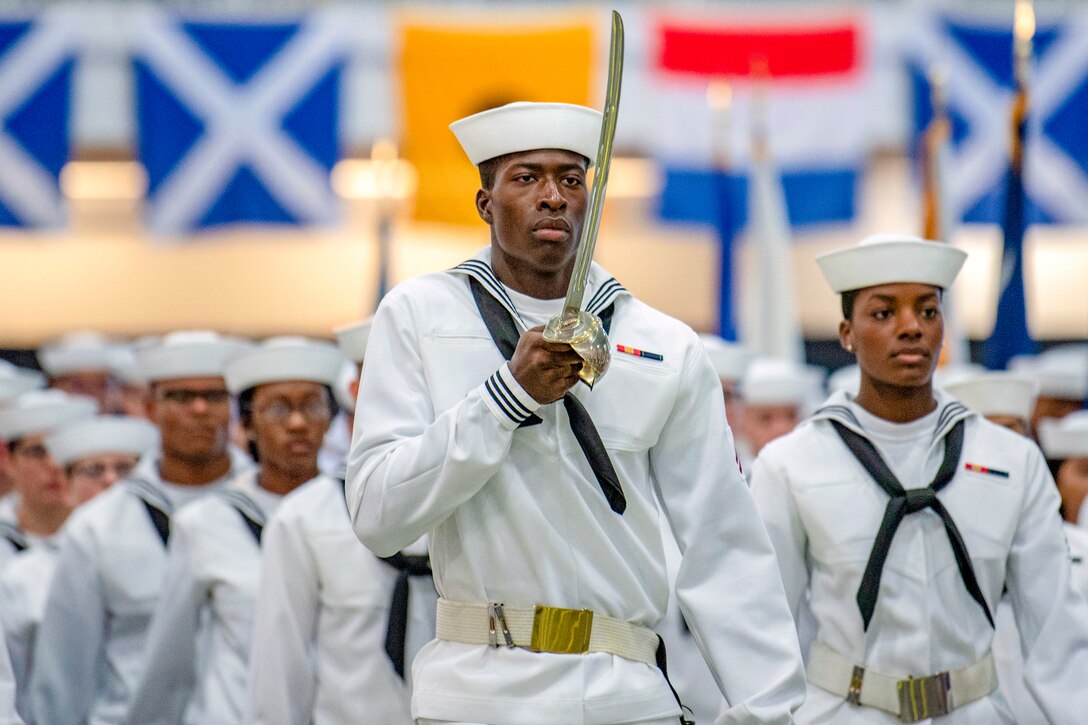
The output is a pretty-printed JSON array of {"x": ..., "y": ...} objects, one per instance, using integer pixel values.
[
  {"x": 853, "y": 694},
  {"x": 561, "y": 631},
  {"x": 923, "y": 698}
]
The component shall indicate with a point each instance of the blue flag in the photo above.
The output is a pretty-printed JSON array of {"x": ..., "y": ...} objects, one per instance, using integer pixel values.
[
  {"x": 1010, "y": 336},
  {"x": 238, "y": 122},
  {"x": 729, "y": 195},
  {"x": 36, "y": 63}
]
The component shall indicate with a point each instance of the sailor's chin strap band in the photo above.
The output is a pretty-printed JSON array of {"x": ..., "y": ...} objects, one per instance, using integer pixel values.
[{"x": 902, "y": 503}]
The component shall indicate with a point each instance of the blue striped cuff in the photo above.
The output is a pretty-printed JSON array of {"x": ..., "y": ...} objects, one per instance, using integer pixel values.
[{"x": 506, "y": 399}]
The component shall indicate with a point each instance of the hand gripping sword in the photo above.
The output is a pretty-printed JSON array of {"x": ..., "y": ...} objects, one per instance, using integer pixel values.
[{"x": 574, "y": 326}]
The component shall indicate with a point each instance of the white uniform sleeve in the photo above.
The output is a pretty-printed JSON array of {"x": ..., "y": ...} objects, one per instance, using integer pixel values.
[
  {"x": 282, "y": 674},
  {"x": 779, "y": 512},
  {"x": 1051, "y": 613},
  {"x": 70, "y": 649},
  {"x": 8, "y": 715},
  {"x": 728, "y": 585},
  {"x": 407, "y": 470},
  {"x": 169, "y": 676}
]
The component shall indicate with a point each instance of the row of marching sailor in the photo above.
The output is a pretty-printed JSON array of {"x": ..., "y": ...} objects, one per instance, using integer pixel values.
[
  {"x": 60, "y": 456},
  {"x": 151, "y": 607}
]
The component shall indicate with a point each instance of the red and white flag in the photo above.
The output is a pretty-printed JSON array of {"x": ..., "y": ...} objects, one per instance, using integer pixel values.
[{"x": 815, "y": 70}]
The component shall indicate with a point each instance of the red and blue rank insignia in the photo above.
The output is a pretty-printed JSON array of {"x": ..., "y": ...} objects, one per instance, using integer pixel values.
[
  {"x": 985, "y": 469},
  {"x": 628, "y": 350}
]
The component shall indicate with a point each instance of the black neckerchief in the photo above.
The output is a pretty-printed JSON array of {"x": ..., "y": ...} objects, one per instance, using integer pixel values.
[
  {"x": 500, "y": 325},
  {"x": 903, "y": 502}
]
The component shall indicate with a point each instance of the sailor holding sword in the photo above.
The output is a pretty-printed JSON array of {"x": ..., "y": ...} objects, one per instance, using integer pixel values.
[{"x": 540, "y": 496}]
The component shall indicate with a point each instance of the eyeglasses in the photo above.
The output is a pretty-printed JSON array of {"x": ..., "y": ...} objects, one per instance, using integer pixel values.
[
  {"x": 97, "y": 471},
  {"x": 314, "y": 411},
  {"x": 38, "y": 452},
  {"x": 181, "y": 396}
]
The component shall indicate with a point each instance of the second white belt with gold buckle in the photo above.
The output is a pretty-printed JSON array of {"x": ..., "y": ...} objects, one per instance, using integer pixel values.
[
  {"x": 544, "y": 629},
  {"x": 913, "y": 698}
]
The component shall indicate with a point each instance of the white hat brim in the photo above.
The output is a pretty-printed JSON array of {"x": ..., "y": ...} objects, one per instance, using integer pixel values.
[
  {"x": 197, "y": 359},
  {"x": 20, "y": 381},
  {"x": 998, "y": 393},
  {"x": 1065, "y": 437},
  {"x": 19, "y": 422},
  {"x": 353, "y": 338},
  {"x": 101, "y": 434},
  {"x": 307, "y": 362},
  {"x": 521, "y": 126},
  {"x": 729, "y": 360},
  {"x": 891, "y": 261}
]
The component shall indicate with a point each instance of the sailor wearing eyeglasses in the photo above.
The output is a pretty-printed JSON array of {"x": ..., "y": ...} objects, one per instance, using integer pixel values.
[
  {"x": 89, "y": 654},
  {"x": 213, "y": 561},
  {"x": 336, "y": 628},
  {"x": 94, "y": 453},
  {"x": 43, "y": 497},
  {"x": 14, "y": 381}
]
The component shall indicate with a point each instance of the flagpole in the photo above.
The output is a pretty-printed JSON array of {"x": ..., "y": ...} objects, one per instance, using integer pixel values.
[
  {"x": 719, "y": 96},
  {"x": 383, "y": 160},
  {"x": 1011, "y": 336},
  {"x": 938, "y": 216},
  {"x": 770, "y": 310}
]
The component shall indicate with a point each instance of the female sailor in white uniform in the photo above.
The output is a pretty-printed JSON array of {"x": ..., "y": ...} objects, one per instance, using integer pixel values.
[
  {"x": 904, "y": 515},
  {"x": 199, "y": 638}
]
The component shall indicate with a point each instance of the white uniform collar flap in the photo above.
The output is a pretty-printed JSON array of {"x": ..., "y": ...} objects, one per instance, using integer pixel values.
[
  {"x": 837, "y": 408},
  {"x": 602, "y": 289}
]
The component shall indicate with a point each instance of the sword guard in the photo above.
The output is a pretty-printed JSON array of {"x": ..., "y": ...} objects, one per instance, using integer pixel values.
[{"x": 585, "y": 333}]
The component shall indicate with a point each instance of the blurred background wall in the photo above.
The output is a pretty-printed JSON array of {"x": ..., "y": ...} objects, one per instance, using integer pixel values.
[{"x": 111, "y": 250}]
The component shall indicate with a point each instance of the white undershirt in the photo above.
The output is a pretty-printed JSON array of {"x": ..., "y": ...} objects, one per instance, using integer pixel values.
[
  {"x": 533, "y": 311},
  {"x": 903, "y": 446},
  {"x": 180, "y": 495}
]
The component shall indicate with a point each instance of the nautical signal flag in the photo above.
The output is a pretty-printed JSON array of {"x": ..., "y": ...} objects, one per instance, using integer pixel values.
[
  {"x": 815, "y": 73},
  {"x": 976, "y": 52},
  {"x": 37, "y": 58},
  {"x": 238, "y": 121},
  {"x": 452, "y": 69}
]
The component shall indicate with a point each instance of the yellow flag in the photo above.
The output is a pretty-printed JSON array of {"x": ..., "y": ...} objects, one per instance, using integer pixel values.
[{"x": 452, "y": 70}]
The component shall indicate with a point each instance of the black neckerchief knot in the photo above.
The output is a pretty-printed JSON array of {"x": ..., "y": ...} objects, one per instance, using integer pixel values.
[{"x": 903, "y": 502}]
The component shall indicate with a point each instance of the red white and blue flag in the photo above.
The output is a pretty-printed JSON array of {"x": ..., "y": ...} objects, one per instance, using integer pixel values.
[{"x": 814, "y": 71}]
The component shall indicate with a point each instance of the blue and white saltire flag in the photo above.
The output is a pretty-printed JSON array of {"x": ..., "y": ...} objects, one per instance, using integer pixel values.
[
  {"x": 238, "y": 121},
  {"x": 37, "y": 58},
  {"x": 977, "y": 54}
]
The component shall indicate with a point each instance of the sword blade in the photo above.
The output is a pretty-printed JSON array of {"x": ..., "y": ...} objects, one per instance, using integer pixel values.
[{"x": 588, "y": 242}]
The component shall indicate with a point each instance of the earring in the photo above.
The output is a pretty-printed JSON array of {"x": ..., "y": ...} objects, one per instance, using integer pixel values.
[{"x": 849, "y": 348}]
